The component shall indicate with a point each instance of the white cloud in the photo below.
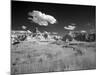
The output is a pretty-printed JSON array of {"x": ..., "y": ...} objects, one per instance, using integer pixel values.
[
  {"x": 83, "y": 31},
  {"x": 24, "y": 27},
  {"x": 69, "y": 27},
  {"x": 41, "y": 18},
  {"x": 73, "y": 24},
  {"x": 54, "y": 33}
]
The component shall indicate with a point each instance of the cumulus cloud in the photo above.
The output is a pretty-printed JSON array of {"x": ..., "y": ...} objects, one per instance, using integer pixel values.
[
  {"x": 41, "y": 18},
  {"x": 24, "y": 27},
  {"x": 73, "y": 24},
  {"x": 69, "y": 27},
  {"x": 54, "y": 33},
  {"x": 83, "y": 31}
]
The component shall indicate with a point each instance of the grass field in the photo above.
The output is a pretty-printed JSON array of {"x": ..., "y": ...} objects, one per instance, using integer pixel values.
[{"x": 31, "y": 57}]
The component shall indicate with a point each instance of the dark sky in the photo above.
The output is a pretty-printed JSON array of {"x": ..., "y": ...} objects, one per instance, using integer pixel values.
[{"x": 83, "y": 16}]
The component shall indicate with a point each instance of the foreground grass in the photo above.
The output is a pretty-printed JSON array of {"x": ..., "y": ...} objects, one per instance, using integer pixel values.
[{"x": 31, "y": 57}]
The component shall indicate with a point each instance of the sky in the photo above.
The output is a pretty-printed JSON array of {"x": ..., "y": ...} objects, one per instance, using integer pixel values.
[{"x": 83, "y": 17}]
